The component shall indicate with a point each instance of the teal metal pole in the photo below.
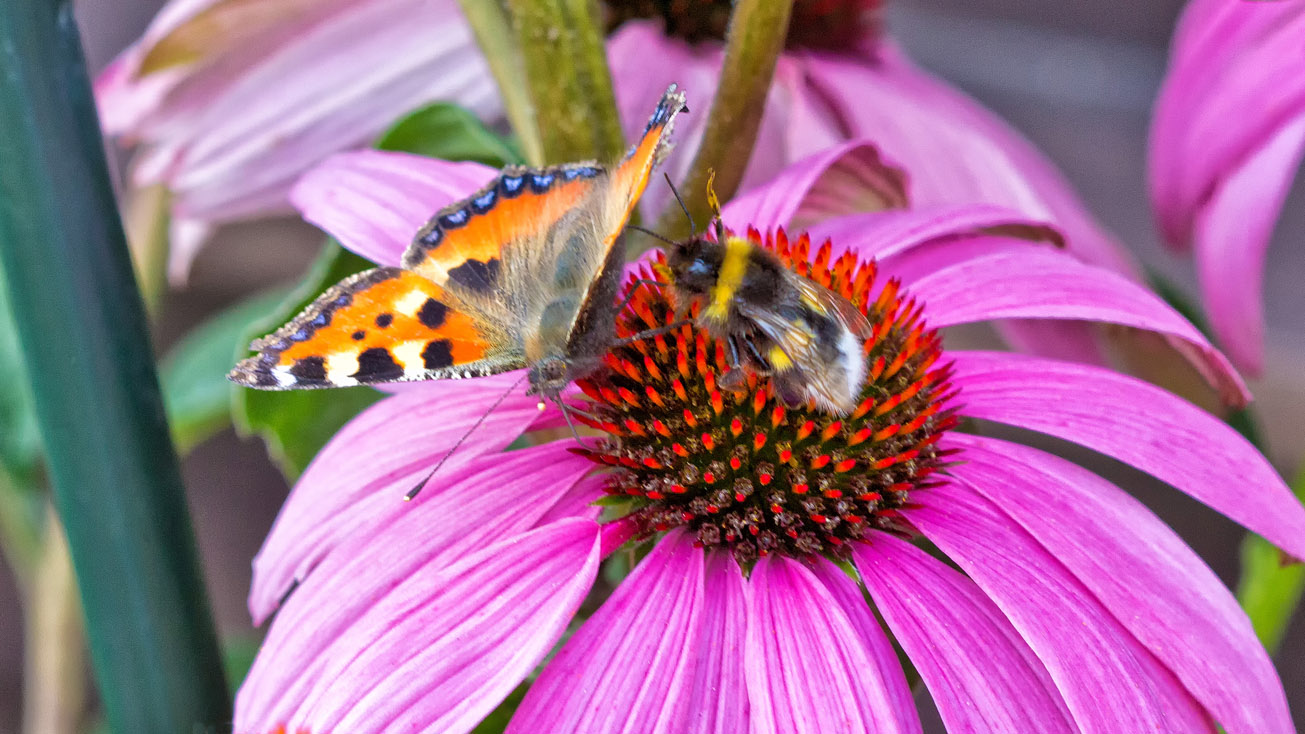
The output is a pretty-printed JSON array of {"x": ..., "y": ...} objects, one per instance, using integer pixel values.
[{"x": 82, "y": 328}]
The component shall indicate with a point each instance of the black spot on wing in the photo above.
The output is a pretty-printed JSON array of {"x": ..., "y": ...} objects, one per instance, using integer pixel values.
[
  {"x": 384, "y": 320},
  {"x": 432, "y": 313},
  {"x": 377, "y": 364},
  {"x": 438, "y": 354},
  {"x": 475, "y": 275},
  {"x": 309, "y": 369},
  {"x": 359, "y": 335}
]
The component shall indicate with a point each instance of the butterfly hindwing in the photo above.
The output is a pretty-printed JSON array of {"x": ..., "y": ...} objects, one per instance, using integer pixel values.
[{"x": 381, "y": 325}]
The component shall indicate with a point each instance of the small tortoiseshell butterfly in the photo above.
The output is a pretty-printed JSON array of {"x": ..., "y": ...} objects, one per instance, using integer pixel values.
[{"x": 523, "y": 273}]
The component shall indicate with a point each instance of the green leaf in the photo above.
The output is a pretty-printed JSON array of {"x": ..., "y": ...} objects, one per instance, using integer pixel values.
[
  {"x": 196, "y": 393},
  {"x": 295, "y": 424},
  {"x": 20, "y": 443},
  {"x": 1269, "y": 589},
  {"x": 447, "y": 131}
]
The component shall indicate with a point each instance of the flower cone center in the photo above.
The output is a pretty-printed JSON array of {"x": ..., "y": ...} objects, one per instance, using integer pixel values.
[
  {"x": 819, "y": 24},
  {"x": 740, "y": 469}
]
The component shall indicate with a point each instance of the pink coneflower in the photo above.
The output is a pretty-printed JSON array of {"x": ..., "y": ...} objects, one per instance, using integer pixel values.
[
  {"x": 1226, "y": 140},
  {"x": 228, "y": 101},
  {"x": 1074, "y": 609}
]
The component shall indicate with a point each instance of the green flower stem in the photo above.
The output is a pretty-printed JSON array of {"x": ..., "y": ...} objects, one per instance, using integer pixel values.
[
  {"x": 490, "y": 22},
  {"x": 1270, "y": 589},
  {"x": 564, "y": 62},
  {"x": 54, "y": 675},
  {"x": 752, "y": 46},
  {"x": 82, "y": 329}
]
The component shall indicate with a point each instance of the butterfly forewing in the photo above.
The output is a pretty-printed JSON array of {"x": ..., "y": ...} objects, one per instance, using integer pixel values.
[{"x": 381, "y": 325}]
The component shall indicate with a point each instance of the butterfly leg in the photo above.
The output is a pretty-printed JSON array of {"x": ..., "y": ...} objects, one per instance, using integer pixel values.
[
  {"x": 629, "y": 296},
  {"x": 566, "y": 415},
  {"x": 650, "y": 333}
]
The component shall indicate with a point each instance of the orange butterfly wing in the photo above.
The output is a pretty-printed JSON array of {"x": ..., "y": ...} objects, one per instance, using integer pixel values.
[{"x": 381, "y": 325}]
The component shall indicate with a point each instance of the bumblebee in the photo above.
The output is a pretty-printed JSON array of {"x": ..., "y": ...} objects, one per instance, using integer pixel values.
[{"x": 807, "y": 338}]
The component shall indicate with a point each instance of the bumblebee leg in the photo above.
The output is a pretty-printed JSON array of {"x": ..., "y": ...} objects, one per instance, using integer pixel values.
[
  {"x": 734, "y": 379},
  {"x": 788, "y": 389},
  {"x": 762, "y": 365}
]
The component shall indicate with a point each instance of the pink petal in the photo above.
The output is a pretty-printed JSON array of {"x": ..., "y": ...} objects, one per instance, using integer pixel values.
[
  {"x": 808, "y": 668},
  {"x": 442, "y": 646},
  {"x": 846, "y": 179},
  {"x": 887, "y": 235},
  {"x": 981, "y": 674},
  {"x": 1139, "y": 424},
  {"x": 374, "y": 202},
  {"x": 362, "y": 474},
  {"x": 1109, "y": 682},
  {"x": 718, "y": 701},
  {"x": 1233, "y": 231},
  {"x": 1037, "y": 283},
  {"x": 954, "y": 150},
  {"x": 887, "y": 667},
  {"x": 630, "y": 667},
  {"x": 1141, "y": 571},
  {"x": 499, "y": 497}
]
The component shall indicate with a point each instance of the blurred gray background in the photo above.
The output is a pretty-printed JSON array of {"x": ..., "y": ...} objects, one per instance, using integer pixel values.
[{"x": 1075, "y": 76}]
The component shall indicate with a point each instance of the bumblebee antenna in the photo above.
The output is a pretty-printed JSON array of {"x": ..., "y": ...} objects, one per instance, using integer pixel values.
[
  {"x": 650, "y": 233},
  {"x": 693, "y": 228},
  {"x": 412, "y": 493}
]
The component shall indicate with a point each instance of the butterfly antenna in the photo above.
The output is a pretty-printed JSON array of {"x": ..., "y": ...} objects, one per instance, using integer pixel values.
[
  {"x": 693, "y": 228},
  {"x": 413, "y": 492}
]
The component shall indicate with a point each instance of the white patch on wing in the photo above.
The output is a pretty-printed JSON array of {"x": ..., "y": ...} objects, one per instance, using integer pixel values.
[
  {"x": 411, "y": 303},
  {"x": 283, "y": 377},
  {"x": 340, "y": 368},
  {"x": 408, "y": 355}
]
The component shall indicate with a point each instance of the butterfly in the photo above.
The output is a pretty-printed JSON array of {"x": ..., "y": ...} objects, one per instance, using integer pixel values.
[
  {"x": 522, "y": 273},
  {"x": 807, "y": 338}
]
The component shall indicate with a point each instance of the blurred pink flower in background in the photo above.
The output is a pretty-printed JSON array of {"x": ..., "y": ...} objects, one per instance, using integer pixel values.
[
  {"x": 841, "y": 78},
  {"x": 250, "y": 95},
  {"x": 1078, "y": 609},
  {"x": 1226, "y": 140},
  {"x": 229, "y": 101}
]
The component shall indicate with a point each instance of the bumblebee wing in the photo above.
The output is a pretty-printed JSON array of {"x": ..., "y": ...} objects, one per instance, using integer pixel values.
[
  {"x": 381, "y": 325},
  {"x": 823, "y": 300},
  {"x": 817, "y": 347}
]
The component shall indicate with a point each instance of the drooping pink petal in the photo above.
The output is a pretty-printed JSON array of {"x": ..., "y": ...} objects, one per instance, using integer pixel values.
[
  {"x": 847, "y": 179},
  {"x": 981, "y": 674},
  {"x": 954, "y": 150},
  {"x": 1215, "y": 111},
  {"x": 498, "y": 497},
  {"x": 1109, "y": 682},
  {"x": 1037, "y": 283},
  {"x": 441, "y": 646},
  {"x": 718, "y": 700},
  {"x": 1140, "y": 570},
  {"x": 1139, "y": 424},
  {"x": 374, "y": 202},
  {"x": 631, "y": 666},
  {"x": 268, "y": 93},
  {"x": 371, "y": 463},
  {"x": 808, "y": 668},
  {"x": 1232, "y": 236}
]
